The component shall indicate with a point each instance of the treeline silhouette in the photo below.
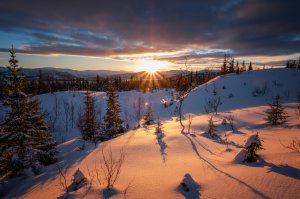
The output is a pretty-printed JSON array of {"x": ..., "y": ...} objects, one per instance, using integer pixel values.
[
  {"x": 46, "y": 84},
  {"x": 146, "y": 82}
]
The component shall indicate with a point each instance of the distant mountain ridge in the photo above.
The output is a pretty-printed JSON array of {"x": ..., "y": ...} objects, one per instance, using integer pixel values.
[{"x": 62, "y": 73}]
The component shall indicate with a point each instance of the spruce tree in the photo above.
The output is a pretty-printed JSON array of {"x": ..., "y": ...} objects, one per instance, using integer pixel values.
[
  {"x": 112, "y": 119},
  {"x": 231, "y": 65},
  {"x": 276, "y": 114},
  {"x": 250, "y": 66},
  {"x": 237, "y": 68},
  {"x": 148, "y": 117},
  {"x": 42, "y": 142},
  {"x": 24, "y": 138},
  {"x": 252, "y": 146},
  {"x": 243, "y": 68},
  {"x": 224, "y": 68},
  {"x": 89, "y": 128}
]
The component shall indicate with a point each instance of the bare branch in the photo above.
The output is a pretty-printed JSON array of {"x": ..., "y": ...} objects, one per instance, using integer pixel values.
[
  {"x": 127, "y": 188},
  {"x": 294, "y": 145},
  {"x": 111, "y": 167},
  {"x": 62, "y": 178}
]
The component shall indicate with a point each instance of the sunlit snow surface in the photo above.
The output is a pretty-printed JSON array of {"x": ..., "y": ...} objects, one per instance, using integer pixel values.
[{"x": 157, "y": 164}]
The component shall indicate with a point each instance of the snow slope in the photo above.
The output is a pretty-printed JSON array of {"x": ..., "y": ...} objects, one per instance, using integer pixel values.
[
  {"x": 64, "y": 101},
  {"x": 156, "y": 164}
]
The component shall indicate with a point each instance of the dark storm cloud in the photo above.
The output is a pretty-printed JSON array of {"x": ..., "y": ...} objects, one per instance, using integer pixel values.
[{"x": 109, "y": 28}]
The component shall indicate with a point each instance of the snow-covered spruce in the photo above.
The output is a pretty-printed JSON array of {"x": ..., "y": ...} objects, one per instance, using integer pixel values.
[
  {"x": 112, "y": 120},
  {"x": 252, "y": 146},
  {"x": 25, "y": 140},
  {"x": 89, "y": 128}
]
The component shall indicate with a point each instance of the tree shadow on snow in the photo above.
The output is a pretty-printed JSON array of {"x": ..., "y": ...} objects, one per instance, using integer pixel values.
[
  {"x": 258, "y": 126},
  {"x": 239, "y": 132},
  {"x": 283, "y": 169},
  {"x": 67, "y": 196},
  {"x": 189, "y": 188},
  {"x": 162, "y": 145},
  {"x": 219, "y": 140},
  {"x": 215, "y": 168},
  {"x": 198, "y": 142},
  {"x": 108, "y": 193}
]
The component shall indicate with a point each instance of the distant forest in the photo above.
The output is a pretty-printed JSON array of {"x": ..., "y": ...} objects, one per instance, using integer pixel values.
[{"x": 145, "y": 82}]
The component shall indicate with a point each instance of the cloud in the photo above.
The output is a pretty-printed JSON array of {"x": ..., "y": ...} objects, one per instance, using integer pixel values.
[{"x": 114, "y": 28}]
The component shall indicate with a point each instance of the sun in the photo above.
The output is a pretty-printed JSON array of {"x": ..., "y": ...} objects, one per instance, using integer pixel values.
[
  {"x": 152, "y": 66},
  {"x": 151, "y": 70}
]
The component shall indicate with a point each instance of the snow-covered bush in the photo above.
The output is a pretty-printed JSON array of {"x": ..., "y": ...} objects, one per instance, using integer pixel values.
[
  {"x": 211, "y": 130},
  {"x": 252, "y": 146}
]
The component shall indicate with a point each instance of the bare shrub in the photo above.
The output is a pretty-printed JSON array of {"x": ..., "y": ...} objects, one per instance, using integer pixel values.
[
  {"x": 72, "y": 116},
  {"x": 127, "y": 118},
  {"x": 80, "y": 119},
  {"x": 91, "y": 176},
  {"x": 62, "y": 178},
  {"x": 276, "y": 83},
  {"x": 261, "y": 90},
  {"x": 294, "y": 145},
  {"x": 127, "y": 188},
  {"x": 213, "y": 104},
  {"x": 97, "y": 175},
  {"x": 53, "y": 117},
  {"x": 111, "y": 167},
  {"x": 138, "y": 109},
  {"x": 99, "y": 113},
  {"x": 66, "y": 114}
]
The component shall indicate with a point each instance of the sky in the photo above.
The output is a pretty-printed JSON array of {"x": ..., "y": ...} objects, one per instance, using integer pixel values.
[{"x": 134, "y": 35}]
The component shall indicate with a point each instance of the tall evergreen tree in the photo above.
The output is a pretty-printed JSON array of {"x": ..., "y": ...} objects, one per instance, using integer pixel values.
[
  {"x": 224, "y": 68},
  {"x": 89, "y": 128},
  {"x": 24, "y": 138},
  {"x": 112, "y": 119},
  {"x": 276, "y": 114},
  {"x": 250, "y": 66},
  {"x": 243, "y": 68},
  {"x": 231, "y": 65},
  {"x": 237, "y": 68}
]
